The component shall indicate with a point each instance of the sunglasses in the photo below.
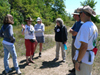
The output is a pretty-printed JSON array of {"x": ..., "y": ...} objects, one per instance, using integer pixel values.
[{"x": 80, "y": 13}]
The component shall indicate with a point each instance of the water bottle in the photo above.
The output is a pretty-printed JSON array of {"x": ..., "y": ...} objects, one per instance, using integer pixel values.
[{"x": 65, "y": 46}]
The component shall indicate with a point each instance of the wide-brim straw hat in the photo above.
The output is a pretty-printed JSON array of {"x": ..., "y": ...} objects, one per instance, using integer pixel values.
[
  {"x": 29, "y": 19},
  {"x": 87, "y": 9}
]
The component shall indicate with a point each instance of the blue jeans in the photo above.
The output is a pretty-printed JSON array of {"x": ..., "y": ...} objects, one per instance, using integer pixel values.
[{"x": 10, "y": 49}]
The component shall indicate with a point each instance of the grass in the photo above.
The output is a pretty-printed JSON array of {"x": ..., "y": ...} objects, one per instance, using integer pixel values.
[
  {"x": 19, "y": 44},
  {"x": 49, "y": 29}
]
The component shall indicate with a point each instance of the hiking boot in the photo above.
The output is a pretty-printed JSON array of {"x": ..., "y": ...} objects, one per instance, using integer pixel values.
[
  {"x": 73, "y": 70},
  {"x": 55, "y": 59},
  {"x": 40, "y": 54}
]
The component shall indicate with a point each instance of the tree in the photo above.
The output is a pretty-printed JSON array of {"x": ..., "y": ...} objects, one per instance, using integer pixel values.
[
  {"x": 4, "y": 9},
  {"x": 92, "y": 4}
]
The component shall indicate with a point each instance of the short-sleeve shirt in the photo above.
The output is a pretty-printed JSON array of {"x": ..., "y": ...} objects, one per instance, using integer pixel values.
[
  {"x": 76, "y": 27},
  {"x": 29, "y": 32},
  {"x": 39, "y": 29},
  {"x": 87, "y": 33}
]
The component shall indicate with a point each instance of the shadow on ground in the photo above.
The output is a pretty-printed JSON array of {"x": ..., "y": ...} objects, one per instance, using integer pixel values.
[
  {"x": 50, "y": 64},
  {"x": 72, "y": 73},
  {"x": 10, "y": 73}
]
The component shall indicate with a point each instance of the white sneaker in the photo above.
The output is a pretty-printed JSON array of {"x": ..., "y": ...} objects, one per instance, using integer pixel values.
[
  {"x": 64, "y": 61},
  {"x": 18, "y": 72}
]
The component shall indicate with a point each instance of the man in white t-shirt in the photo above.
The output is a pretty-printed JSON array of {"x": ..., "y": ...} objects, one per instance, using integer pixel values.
[{"x": 84, "y": 42}]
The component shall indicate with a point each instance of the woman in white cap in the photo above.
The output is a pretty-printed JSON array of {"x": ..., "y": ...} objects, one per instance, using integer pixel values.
[{"x": 39, "y": 33}]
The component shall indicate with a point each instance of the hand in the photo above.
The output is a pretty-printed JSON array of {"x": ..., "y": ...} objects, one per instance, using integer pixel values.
[
  {"x": 35, "y": 40},
  {"x": 23, "y": 26},
  {"x": 77, "y": 66},
  {"x": 65, "y": 42},
  {"x": 70, "y": 30},
  {"x": 39, "y": 29}
]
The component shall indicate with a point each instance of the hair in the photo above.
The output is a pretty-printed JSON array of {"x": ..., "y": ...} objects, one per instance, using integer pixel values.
[
  {"x": 8, "y": 19},
  {"x": 60, "y": 21}
]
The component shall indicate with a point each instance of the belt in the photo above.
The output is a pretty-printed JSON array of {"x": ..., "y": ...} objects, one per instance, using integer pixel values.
[{"x": 89, "y": 59}]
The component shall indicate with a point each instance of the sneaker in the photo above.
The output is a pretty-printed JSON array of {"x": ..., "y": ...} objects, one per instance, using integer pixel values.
[
  {"x": 40, "y": 54},
  {"x": 55, "y": 59},
  {"x": 73, "y": 70},
  {"x": 64, "y": 61},
  {"x": 18, "y": 72}
]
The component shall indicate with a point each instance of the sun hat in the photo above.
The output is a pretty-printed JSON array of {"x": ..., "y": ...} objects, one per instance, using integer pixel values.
[
  {"x": 87, "y": 9},
  {"x": 38, "y": 19},
  {"x": 29, "y": 19},
  {"x": 76, "y": 12}
]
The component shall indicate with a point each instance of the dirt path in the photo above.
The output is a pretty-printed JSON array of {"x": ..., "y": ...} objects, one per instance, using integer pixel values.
[{"x": 44, "y": 65}]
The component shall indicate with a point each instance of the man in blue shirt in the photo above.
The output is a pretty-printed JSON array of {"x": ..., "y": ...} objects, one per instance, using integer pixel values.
[{"x": 74, "y": 30}]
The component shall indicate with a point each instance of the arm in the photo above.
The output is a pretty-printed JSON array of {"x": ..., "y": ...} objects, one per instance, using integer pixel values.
[
  {"x": 65, "y": 34},
  {"x": 43, "y": 28},
  {"x": 83, "y": 39},
  {"x": 23, "y": 29},
  {"x": 40, "y": 30},
  {"x": 10, "y": 31},
  {"x": 74, "y": 33},
  {"x": 82, "y": 52}
]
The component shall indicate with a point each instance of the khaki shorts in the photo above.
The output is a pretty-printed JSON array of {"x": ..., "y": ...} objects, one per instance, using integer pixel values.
[{"x": 85, "y": 69}]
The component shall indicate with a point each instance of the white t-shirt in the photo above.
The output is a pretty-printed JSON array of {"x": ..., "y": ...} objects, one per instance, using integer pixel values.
[
  {"x": 87, "y": 33},
  {"x": 29, "y": 32}
]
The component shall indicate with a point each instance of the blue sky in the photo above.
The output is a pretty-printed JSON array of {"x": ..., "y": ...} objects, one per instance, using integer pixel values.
[{"x": 71, "y": 5}]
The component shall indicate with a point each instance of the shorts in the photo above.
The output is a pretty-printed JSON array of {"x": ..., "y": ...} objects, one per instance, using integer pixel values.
[{"x": 40, "y": 39}]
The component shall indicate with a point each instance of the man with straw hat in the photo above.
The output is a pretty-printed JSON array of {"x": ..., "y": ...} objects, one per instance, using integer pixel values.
[
  {"x": 88, "y": 33},
  {"x": 74, "y": 30}
]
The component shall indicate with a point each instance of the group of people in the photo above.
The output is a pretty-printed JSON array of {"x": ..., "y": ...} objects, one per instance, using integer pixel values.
[
  {"x": 33, "y": 36},
  {"x": 84, "y": 33}
]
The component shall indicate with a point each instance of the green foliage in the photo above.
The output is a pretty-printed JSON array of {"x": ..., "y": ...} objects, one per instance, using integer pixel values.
[
  {"x": 92, "y": 4},
  {"x": 4, "y": 9},
  {"x": 48, "y": 10}
]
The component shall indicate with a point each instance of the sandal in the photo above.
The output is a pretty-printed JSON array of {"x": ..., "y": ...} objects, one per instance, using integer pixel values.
[
  {"x": 32, "y": 61},
  {"x": 27, "y": 63}
]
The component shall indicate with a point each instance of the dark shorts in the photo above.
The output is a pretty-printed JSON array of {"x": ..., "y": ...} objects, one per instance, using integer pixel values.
[{"x": 40, "y": 39}]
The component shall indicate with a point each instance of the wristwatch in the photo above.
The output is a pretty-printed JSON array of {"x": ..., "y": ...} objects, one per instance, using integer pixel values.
[{"x": 76, "y": 61}]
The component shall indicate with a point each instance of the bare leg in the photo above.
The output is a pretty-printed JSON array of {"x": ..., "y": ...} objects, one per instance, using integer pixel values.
[
  {"x": 35, "y": 46},
  {"x": 31, "y": 59},
  {"x": 40, "y": 47},
  {"x": 27, "y": 59}
]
